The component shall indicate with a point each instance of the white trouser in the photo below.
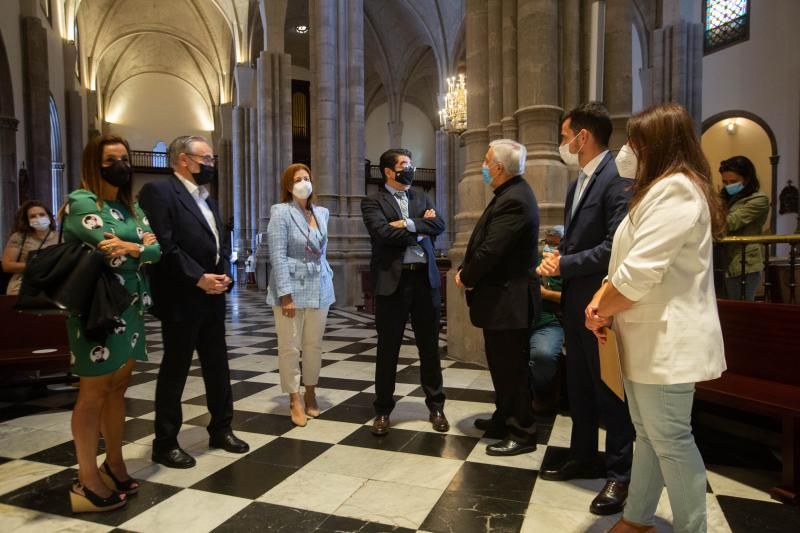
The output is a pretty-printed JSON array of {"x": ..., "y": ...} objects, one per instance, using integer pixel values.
[{"x": 303, "y": 333}]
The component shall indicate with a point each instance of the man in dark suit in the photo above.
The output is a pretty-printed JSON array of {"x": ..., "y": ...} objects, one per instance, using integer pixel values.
[
  {"x": 402, "y": 224},
  {"x": 596, "y": 203},
  {"x": 189, "y": 288},
  {"x": 503, "y": 294}
]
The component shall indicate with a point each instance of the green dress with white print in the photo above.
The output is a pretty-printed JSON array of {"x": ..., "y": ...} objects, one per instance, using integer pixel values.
[{"x": 84, "y": 221}]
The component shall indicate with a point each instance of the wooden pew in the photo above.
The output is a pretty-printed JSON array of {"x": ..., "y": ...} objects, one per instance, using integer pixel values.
[
  {"x": 30, "y": 342},
  {"x": 762, "y": 350}
]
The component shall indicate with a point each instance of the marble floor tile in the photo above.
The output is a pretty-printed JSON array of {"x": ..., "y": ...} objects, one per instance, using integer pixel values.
[
  {"x": 351, "y": 461},
  {"x": 17, "y": 442},
  {"x": 19, "y": 473},
  {"x": 208, "y": 510},
  {"x": 21, "y": 520},
  {"x": 390, "y": 503},
  {"x": 322, "y": 492},
  {"x": 320, "y": 430},
  {"x": 419, "y": 470},
  {"x": 741, "y": 482}
]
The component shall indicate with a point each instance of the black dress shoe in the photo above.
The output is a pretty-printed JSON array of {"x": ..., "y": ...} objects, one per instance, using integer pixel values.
[
  {"x": 174, "y": 458},
  {"x": 573, "y": 469},
  {"x": 381, "y": 425},
  {"x": 611, "y": 499},
  {"x": 511, "y": 447},
  {"x": 439, "y": 422},
  {"x": 229, "y": 442}
]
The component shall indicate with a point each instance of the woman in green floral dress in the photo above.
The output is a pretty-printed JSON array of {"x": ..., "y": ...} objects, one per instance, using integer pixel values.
[{"x": 103, "y": 214}]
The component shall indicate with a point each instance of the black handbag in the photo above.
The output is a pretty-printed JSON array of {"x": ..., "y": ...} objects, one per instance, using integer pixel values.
[{"x": 60, "y": 279}]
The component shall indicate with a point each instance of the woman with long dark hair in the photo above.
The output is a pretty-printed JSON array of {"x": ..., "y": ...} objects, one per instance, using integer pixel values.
[
  {"x": 747, "y": 211},
  {"x": 34, "y": 229},
  {"x": 104, "y": 215},
  {"x": 659, "y": 298}
]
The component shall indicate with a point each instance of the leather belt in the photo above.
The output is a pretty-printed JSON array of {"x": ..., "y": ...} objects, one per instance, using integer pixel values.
[{"x": 414, "y": 266}]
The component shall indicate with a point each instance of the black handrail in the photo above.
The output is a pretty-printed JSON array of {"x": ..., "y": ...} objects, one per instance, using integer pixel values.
[{"x": 793, "y": 240}]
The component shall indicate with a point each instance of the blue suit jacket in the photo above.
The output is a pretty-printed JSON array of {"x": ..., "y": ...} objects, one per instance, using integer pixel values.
[
  {"x": 309, "y": 279},
  {"x": 586, "y": 246}
]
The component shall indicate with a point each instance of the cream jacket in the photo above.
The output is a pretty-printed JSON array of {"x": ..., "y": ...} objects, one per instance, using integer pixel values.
[{"x": 662, "y": 260}]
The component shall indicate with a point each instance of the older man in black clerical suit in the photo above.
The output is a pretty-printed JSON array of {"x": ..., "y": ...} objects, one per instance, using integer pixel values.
[
  {"x": 189, "y": 288},
  {"x": 502, "y": 289},
  {"x": 402, "y": 224}
]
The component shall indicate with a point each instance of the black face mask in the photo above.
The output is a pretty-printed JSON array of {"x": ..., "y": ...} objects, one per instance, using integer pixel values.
[
  {"x": 405, "y": 176},
  {"x": 205, "y": 175},
  {"x": 118, "y": 174}
]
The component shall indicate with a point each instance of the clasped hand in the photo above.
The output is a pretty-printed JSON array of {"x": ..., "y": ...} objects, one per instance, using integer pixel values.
[
  {"x": 113, "y": 246},
  {"x": 214, "y": 283},
  {"x": 550, "y": 265},
  {"x": 596, "y": 323}
]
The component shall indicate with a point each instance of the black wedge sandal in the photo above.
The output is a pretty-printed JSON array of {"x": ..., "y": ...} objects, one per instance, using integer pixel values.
[
  {"x": 130, "y": 486},
  {"x": 87, "y": 501}
]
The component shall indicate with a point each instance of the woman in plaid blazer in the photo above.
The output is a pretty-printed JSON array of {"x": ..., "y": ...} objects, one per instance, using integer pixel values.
[{"x": 300, "y": 286}]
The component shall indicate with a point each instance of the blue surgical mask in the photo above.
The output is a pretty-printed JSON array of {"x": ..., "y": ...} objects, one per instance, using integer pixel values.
[
  {"x": 487, "y": 179},
  {"x": 734, "y": 188},
  {"x": 548, "y": 249}
]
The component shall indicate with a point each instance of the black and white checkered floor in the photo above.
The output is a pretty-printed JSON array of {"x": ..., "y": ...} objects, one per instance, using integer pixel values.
[{"x": 333, "y": 474}]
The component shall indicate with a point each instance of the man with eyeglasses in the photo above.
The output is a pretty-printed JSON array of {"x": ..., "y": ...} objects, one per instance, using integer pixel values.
[{"x": 189, "y": 297}]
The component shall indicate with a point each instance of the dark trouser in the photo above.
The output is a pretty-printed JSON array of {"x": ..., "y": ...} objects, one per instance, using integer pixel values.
[
  {"x": 414, "y": 296},
  {"x": 206, "y": 333},
  {"x": 590, "y": 400},
  {"x": 507, "y": 354}
]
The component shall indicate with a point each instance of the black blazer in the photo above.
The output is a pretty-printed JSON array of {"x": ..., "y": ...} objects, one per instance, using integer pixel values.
[
  {"x": 389, "y": 244},
  {"x": 188, "y": 250},
  {"x": 586, "y": 246},
  {"x": 500, "y": 261}
]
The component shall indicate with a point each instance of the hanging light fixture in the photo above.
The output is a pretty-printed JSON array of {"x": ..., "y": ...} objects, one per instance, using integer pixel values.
[{"x": 453, "y": 116}]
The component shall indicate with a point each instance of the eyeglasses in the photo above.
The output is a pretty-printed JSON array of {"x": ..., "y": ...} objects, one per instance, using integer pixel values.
[{"x": 206, "y": 159}]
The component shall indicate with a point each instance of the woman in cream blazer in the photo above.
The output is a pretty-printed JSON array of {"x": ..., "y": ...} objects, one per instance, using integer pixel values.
[{"x": 660, "y": 295}]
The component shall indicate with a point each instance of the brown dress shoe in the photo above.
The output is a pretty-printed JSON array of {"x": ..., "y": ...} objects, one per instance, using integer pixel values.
[
  {"x": 439, "y": 422},
  {"x": 624, "y": 526},
  {"x": 611, "y": 499},
  {"x": 381, "y": 425}
]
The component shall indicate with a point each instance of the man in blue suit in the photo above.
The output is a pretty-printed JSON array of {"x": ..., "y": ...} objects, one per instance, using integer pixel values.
[
  {"x": 402, "y": 224},
  {"x": 596, "y": 203}
]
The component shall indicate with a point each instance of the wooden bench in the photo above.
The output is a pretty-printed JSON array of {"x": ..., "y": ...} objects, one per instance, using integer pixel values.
[
  {"x": 762, "y": 349},
  {"x": 31, "y": 342}
]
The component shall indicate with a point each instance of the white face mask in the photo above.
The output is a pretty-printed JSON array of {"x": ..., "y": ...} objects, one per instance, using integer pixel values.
[
  {"x": 302, "y": 189},
  {"x": 40, "y": 223},
  {"x": 570, "y": 159},
  {"x": 627, "y": 163}
]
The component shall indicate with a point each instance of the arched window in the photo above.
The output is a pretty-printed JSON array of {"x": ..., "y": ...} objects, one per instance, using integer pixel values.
[
  {"x": 726, "y": 22},
  {"x": 57, "y": 179}
]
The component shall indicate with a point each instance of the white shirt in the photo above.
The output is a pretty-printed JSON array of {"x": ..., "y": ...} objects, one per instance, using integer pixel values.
[
  {"x": 200, "y": 194},
  {"x": 588, "y": 171}
]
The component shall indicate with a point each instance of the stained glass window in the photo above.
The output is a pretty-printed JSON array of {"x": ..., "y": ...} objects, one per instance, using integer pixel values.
[{"x": 726, "y": 22}]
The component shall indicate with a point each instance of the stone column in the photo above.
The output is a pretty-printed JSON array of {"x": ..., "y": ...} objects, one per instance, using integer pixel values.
[
  {"x": 676, "y": 58},
  {"x": 539, "y": 113},
  {"x": 465, "y": 342},
  {"x": 8, "y": 174},
  {"x": 74, "y": 118},
  {"x": 395, "y": 133},
  {"x": 36, "y": 83},
  {"x": 446, "y": 179},
  {"x": 509, "y": 59},
  {"x": 337, "y": 136},
  {"x": 571, "y": 54},
  {"x": 238, "y": 180},
  {"x": 495, "y": 47},
  {"x": 274, "y": 99},
  {"x": 252, "y": 179},
  {"x": 617, "y": 78},
  {"x": 223, "y": 118}
]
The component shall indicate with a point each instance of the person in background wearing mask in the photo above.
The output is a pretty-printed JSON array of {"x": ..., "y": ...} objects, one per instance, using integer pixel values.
[
  {"x": 503, "y": 294},
  {"x": 34, "y": 229},
  {"x": 402, "y": 226},
  {"x": 104, "y": 215},
  {"x": 748, "y": 209},
  {"x": 300, "y": 286},
  {"x": 547, "y": 336},
  {"x": 596, "y": 203},
  {"x": 189, "y": 286}
]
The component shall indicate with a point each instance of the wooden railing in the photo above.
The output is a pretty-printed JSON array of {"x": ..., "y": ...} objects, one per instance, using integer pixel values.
[
  {"x": 152, "y": 162},
  {"x": 773, "y": 266}
]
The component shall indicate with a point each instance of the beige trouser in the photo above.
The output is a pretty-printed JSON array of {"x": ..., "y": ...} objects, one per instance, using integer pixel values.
[{"x": 303, "y": 333}]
